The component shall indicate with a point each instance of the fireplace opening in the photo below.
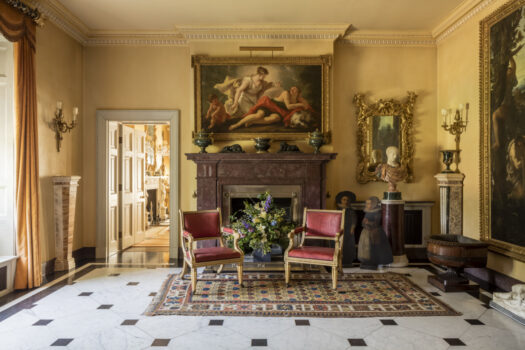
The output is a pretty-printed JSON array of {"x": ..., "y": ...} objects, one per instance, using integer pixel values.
[
  {"x": 237, "y": 204},
  {"x": 288, "y": 197}
]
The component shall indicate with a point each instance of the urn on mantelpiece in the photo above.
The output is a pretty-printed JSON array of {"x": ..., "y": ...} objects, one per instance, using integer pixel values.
[
  {"x": 316, "y": 140},
  {"x": 262, "y": 144},
  {"x": 202, "y": 139},
  {"x": 448, "y": 156}
]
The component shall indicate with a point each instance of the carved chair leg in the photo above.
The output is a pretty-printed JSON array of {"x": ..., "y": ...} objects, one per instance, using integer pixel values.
[
  {"x": 239, "y": 274},
  {"x": 184, "y": 269},
  {"x": 287, "y": 273},
  {"x": 219, "y": 270},
  {"x": 193, "y": 279},
  {"x": 334, "y": 277}
]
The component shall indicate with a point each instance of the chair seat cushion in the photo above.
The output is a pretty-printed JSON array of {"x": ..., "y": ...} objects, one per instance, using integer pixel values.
[
  {"x": 316, "y": 253},
  {"x": 214, "y": 253}
]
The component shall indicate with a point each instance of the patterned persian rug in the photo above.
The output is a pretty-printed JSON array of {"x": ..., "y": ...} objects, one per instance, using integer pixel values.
[{"x": 309, "y": 294}]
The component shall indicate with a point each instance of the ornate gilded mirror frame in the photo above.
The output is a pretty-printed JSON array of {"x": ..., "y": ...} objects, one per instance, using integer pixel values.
[{"x": 398, "y": 121}]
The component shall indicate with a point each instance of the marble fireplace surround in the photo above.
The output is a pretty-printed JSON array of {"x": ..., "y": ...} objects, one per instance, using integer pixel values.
[{"x": 300, "y": 176}]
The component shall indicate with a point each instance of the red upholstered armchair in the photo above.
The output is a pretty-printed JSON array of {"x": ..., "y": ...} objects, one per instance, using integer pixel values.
[
  {"x": 204, "y": 225},
  {"x": 317, "y": 224}
]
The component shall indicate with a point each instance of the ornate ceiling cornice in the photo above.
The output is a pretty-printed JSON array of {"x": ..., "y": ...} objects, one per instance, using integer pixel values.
[
  {"x": 184, "y": 34},
  {"x": 361, "y": 38},
  {"x": 458, "y": 17}
]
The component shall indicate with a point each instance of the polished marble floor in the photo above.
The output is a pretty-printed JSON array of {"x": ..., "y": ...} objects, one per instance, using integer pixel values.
[{"x": 100, "y": 306}]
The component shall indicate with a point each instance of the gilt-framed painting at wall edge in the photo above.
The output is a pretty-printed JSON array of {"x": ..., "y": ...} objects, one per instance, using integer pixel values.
[
  {"x": 283, "y": 98},
  {"x": 502, "y": 129}
]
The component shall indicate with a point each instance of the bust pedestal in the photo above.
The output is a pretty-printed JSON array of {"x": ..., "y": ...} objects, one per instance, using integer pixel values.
[
  {"x": 451, "y": 202},
  {"x": 392, "y": 207},
  {"x": 65, "y": 195}
]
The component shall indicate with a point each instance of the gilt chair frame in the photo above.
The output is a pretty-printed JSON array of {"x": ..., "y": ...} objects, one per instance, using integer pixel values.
[
  {"x": 335, "y": 263},
  {"x": 188, "y": 243}
]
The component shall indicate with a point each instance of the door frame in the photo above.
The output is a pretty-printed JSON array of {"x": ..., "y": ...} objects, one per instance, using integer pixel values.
[{"x": 135, "y": 116}]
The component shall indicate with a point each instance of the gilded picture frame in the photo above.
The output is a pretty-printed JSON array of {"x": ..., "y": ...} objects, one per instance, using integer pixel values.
[
  {"x": 220, "y": 109},
  {"x": 502, "y": 130},
  {"x": 380, "y": 125}
]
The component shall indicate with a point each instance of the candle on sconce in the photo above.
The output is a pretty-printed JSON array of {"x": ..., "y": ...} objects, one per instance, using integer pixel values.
[
  {"x": 59, "y": 104},
  {"x": 75, "y": 113},
  {"x": 444, "y": 115}
]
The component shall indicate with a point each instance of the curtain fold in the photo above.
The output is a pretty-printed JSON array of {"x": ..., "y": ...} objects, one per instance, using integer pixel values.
[{"x": 21, "y": 30}]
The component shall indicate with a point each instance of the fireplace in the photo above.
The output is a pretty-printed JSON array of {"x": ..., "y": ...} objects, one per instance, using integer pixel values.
[
  {"x": 226, "y": 178},
  {"x": 284, "y": 196}
]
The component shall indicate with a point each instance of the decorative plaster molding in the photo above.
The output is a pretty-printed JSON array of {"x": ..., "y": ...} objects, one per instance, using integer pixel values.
[
  {"x": 389, "y": 40},
  {"x": 62, "y": 18},
  {"x": 263, "y": 32},
  {"x": 154, "y": 40},
  {"x": 458, "y": 17}
]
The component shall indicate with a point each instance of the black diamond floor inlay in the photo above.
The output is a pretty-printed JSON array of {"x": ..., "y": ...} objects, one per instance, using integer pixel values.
[
  {"x": 105, "y": 306},
  {"x": 408, "y": 275},
  {"x": 62, "y": 342},
  {"x": 129, "y": 322},
  {"x": 160, "y": 342},
  {"x": 152, "y": 294},
  {"x": 357, "y": 342},
  {"x": 42, "y": 322},
  {"x": 454, "y": 341},
  {"x": 389, "y": 322},
  {"x": 436, "y": 294},
  {"x": 114, "y": 275},
  {"x": 474, "y": 322},
  {"x": 302, "y": 322},
  {"x": 85, "y": 294},
  {"x": 259, "y": 342},
  {"x": 132, "y": 283},
  {"x": 216, "y": 323}
]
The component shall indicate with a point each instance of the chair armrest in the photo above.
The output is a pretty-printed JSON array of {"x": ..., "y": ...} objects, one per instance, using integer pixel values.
[
  {"x": 291, "y": 236},
  {"x": 189, "y": 237},
  {"x": 236, "y": 236}
]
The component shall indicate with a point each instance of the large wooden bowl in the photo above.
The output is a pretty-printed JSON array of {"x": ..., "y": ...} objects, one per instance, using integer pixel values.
[{"x": 456, "y": 251}]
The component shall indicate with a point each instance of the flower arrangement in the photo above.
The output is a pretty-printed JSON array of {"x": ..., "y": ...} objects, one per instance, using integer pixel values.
[{"x": 261, "y": 224}]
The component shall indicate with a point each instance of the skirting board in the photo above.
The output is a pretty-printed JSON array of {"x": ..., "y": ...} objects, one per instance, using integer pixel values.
[
  {"x": 81, "y": 256},
  {"x": 491, "y": 280},
  {"x": 507, "y": 312}
]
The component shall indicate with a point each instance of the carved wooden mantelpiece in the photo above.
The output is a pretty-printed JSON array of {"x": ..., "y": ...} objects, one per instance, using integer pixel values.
[{"x": 215, "y": 171}]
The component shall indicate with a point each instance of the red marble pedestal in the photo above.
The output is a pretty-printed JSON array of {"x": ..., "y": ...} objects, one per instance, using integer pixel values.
[
  {"x": 65, "y": 196},
  {"x": 393, "y": 224}
]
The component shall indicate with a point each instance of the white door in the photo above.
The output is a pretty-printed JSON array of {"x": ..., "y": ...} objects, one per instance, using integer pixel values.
[
  {"x": 140, "y": 200},
  {"x": 112, "y": 222},
  {"x": 127, "y": 193}
]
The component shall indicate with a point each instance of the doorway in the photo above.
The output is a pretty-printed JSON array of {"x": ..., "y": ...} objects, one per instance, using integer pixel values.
[{"x": 137, "y": 184}]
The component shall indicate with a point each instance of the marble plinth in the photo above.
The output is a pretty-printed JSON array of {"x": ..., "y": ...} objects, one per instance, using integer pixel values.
[
  {"x": 65, "y": 195},
  {"x": 451, "y": 202}
]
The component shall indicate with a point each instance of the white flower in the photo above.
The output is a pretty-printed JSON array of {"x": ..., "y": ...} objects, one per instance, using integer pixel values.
[{"x": 263, "y": 214}]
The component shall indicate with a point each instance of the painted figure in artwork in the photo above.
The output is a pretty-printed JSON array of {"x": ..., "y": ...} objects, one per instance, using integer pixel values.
[
  {"x": 244, "y": 92},
  {"x": 373, "y": 249},
  {"x": 392, "y": 171},
  {"x": 344, "y": 201},
  {"x": 279, "y": 109},
  {"x": 216, "y": 112}
]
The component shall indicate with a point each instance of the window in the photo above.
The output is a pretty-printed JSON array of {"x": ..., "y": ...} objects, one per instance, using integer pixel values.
[{"x": 7, "y": 149}]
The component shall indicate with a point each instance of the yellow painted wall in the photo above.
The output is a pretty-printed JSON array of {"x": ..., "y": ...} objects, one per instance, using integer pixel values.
[
  {"x": 458, "y": 82},
  {"x": 59, "y": 60},
  {"x": 161, "y": 78},
  {"x": 384, "y": 72},
  {"x": 135, "y": 78}
]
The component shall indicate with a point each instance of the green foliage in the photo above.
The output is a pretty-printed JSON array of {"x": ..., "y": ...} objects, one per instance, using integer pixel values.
[{"x": 261, "y": 224}]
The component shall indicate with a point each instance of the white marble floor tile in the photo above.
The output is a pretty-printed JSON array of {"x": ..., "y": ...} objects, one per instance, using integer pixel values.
[
  {"x": 442, "y": 327},
  {"x": 117, "y": 338},
  {"x": 164, "y": 327},
  {"x": 398, "y": 337},
  {"x": 303, "y": 337},
  {"x": 211, "y": 337},
  {"x": 258, "y": 327},
  {"x": 487, "y": 337}
]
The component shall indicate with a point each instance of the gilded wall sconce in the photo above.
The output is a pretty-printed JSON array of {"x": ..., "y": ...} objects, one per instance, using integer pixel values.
[
  {"x": 60, "y": 126},
  {"x": 456, "y": 124}
]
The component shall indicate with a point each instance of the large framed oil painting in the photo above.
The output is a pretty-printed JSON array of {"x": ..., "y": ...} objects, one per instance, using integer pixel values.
[
  {"x": 283, "y": 98},
  {"x": 502, "y": 154}
]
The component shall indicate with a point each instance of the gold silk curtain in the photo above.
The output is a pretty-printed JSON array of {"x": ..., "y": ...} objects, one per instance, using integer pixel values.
[{"x": 20, "y": 29}]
